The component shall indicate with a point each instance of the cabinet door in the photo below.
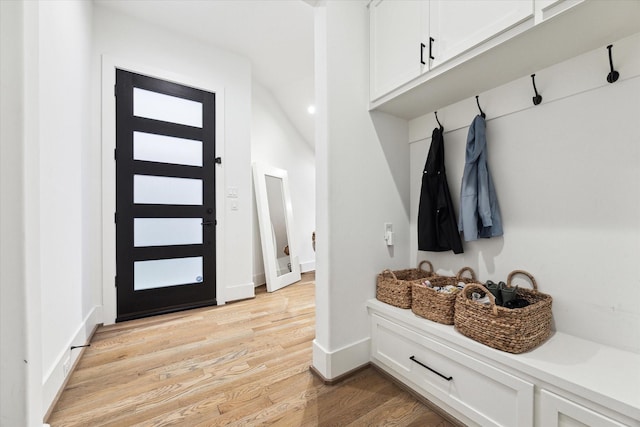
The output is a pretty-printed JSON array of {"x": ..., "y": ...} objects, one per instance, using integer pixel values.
[
  {"x": 458, "y": 26},
  {"x": 556, "y": 411},
  {"x": 397, "y": 37},
  {"x": 483, "y": 393}
]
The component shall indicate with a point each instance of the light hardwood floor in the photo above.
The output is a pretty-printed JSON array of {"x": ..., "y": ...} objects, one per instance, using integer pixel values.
[{"x": 245, "y": 364}]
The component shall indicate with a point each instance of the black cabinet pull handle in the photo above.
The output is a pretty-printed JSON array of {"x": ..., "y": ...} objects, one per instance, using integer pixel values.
[
  {"x": 431, "y": 40},
  {"x": 422, "y": 46},
  {"x": 413, "y": 359}
]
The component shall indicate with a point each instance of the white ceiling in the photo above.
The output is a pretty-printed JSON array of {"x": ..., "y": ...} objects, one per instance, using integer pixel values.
[{"x": 276, "y": 36}]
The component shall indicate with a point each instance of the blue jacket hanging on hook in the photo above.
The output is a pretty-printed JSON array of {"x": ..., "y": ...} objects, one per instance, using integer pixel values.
[{"x": 479, "y": 209}]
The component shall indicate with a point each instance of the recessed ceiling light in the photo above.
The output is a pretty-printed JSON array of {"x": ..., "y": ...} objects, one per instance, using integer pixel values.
[{"x": 311, "y": 109}]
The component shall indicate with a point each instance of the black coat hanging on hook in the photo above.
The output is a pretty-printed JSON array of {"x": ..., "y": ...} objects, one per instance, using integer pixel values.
[{"x": 437, "y": 221}]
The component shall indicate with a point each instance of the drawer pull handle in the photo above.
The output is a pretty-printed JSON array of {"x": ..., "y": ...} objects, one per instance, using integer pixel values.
[{"x": 413, "y": 359}]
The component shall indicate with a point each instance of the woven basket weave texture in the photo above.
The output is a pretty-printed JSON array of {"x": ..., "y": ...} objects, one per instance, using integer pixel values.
[
  {"x": 437, "y": 306},
  {"x": 394, "y": 287},
  {"x": 512, "y": 330}
]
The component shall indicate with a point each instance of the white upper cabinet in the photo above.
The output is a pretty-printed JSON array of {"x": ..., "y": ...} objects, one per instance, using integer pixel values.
[
  {"x": 457, "y": 26},
  {"x": 399, "y": 49},
  {"x": 477, "y": 45},
  {"x": 410, "y": 37}
]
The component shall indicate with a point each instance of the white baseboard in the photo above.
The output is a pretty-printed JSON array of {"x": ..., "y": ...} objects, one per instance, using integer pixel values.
[
  {"x": 307, "y": 266},
  {"x": 234, "y": 293},
  {"x": 54, "y": 379},
  {"x": 259, "y": 279},
  {"x": 332, "y": 364}
]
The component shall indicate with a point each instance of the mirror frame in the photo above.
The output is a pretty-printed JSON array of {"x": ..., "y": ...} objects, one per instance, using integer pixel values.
[{"x": 274, "y": 282}]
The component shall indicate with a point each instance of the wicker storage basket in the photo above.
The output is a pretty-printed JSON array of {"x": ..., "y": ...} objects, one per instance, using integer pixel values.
[
  {"x": 394, "y": 287},
  {"x": 437, "y": 306},
  {"x": 512, "y": 330}
]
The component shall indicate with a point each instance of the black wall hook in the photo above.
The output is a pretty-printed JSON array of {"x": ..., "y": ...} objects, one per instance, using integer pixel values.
[
  {"x": 482, "y": 114},
  {"x": 613, "y": 75},
  {"x": 439, "y": 124},
  {"x": 538, "y": 98}
]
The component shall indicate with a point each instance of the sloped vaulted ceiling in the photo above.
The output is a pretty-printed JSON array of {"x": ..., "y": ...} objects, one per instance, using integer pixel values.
[{"x": 276, "y": 36}]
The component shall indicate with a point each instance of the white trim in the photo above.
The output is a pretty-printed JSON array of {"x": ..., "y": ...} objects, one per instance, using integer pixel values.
[
  {"x": 109, "y": 64},
  {"x": 259, "y": 279},
  {"x": 332, "y": 364},
  {"x": 308, "y": 266},
  {"x": 239, "y": 292},
  {"x": 53, "y": 380},
  {"x": 274, "y": 280},
  {"x": 553, "y": 406},
  {"x": 562, "y": 79}
]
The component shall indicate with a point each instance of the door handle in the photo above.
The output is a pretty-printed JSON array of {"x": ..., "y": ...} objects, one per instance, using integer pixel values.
[
  {"x": 422, "y": 46},
  {"x": 207, "y": 223}
]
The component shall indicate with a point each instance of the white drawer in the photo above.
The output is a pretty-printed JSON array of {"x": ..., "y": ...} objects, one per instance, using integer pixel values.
[
  {"x": 481, "y": 392},
  {"x": 556, "y": 411}
]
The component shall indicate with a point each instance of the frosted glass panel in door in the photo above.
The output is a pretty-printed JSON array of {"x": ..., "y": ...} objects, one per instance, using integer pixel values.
[
  {"x": 166, "y": 149},
  {"x": 163, "y": 190},
  {"x": 167, "y": 231},
  {"x": 166, "y": 272},
  {"x": 158, "y": 106}
]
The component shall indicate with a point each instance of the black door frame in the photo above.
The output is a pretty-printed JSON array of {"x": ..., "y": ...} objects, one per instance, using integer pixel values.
[{"x": 134, "y": 304}]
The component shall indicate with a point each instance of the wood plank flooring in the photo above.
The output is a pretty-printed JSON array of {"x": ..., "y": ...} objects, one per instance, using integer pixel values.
[{"x": 242, "y": 364}]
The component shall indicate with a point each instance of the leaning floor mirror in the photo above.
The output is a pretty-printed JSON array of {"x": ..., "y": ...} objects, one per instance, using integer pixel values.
[{"x": 275, "y": 219}]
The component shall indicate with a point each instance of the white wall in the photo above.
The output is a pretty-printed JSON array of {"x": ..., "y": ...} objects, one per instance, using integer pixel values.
[
  {"x": 65, "y": 125},
  {"x": 276, "y": 142},
  {"x": 51, "y": 305},
  {"x": 362, "y": 182},
  {"x": 123, "y": 39},
  {"x": 52, "y": 157},
  {"x": 13, "y": 328},
  {"x": 568, "y": 182},
  {"x": 52, "y": 247}
]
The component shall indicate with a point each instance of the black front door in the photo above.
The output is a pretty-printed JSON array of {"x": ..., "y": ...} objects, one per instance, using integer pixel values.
[{"x": 165, "y": 196}]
